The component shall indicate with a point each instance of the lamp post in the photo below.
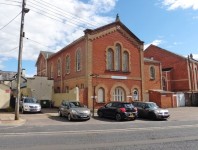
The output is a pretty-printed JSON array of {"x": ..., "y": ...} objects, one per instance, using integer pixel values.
[
  {"x": 94, "y": 91},
  {"x": 24, "y": 10}
]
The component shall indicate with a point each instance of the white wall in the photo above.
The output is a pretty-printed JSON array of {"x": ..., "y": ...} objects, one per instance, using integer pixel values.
[
  {"x": 40, "y": 87},
  {"x": 4, "y": 96}
]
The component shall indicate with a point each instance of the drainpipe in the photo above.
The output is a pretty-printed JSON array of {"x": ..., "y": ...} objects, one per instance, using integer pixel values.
[{"x": 190, "y": 78}]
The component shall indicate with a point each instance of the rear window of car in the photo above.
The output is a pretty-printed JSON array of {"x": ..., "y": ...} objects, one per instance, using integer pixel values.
[
  {"x": 128, "y": 105},
  {"x": 75, "y": 104}
]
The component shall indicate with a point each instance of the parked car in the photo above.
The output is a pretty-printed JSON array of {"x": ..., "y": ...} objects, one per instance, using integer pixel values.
[
  {"x": 74, "y": 110},
  {"x": 118, "y": 110},
  {"x": 150, "y": 110},
  {"x": 29, "y": 104}
]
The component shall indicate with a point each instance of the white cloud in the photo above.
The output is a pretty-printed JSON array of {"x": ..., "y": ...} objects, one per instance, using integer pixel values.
[
  {"x": 195, "y": 56},
  {"x": 155, "y": 42},
  {"x": 77, "y": 16},
  {"x": 184, "y": 4}
]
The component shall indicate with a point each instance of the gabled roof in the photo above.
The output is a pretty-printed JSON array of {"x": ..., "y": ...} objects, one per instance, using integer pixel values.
[
  {"x": 102, "y": 28},
  {"x": 190, "y": 58},
  {"x": 45, "y": 54},
  {"x": 116, "y": 23},
  {"x": 159, "y": 48},
  {"x": 67, "y": 46}
]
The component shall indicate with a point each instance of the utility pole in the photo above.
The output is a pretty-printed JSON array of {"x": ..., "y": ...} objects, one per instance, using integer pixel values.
[{"x": 24, "y": 10}]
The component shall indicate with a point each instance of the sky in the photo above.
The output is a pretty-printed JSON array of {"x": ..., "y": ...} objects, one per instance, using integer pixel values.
[{"x": 52, "y": 24}]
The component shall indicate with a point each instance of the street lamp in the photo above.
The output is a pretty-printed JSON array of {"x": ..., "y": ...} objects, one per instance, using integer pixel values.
[{"x": 94, "y": 91}]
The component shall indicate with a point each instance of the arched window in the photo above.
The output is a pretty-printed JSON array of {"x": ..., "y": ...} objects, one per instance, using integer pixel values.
[
  {"x": 110, "y": 59},
  {"x": 67, "y": 69},
  {"x": 135, "y": 94},
  {"x": 51, "y": 71},
  {"x": 152, "y": 72},
  {"x": 78, "y": 60},
  {"x": 117, "y": 57},
  {"x": 118, "y": 94},
  {"x": 101, "y": 95},
  {"x": 125, "y": 61},
  {"x": 59, "y": 67}
]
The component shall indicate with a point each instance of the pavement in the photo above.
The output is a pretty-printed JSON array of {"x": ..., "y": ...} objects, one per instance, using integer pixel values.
[{"x": 8, "y": 118}]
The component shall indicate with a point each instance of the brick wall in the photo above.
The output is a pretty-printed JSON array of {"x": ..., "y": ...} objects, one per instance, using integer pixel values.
[
  {"x": 179, "y": 79},
  {"x": 152, "y": 83}
]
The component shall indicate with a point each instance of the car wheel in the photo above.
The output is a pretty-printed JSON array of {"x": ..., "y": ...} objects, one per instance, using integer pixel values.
[
  {"x": 69, "y": 117},
  {"x": 100, "y": 114},
  {"x": 118, "y": 117},
  {"x": 59, "y": 113},
  {"x": 152, "y": 116}
]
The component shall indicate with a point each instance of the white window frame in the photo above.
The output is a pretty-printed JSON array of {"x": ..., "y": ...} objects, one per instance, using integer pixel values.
[{"x": 119, "y": 94}]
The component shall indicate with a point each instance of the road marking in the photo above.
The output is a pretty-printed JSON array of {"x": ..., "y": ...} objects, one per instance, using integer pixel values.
[{"x": 99, "y": 131}]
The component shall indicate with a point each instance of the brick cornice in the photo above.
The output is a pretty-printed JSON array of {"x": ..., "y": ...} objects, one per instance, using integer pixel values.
[{"x": 117, "y": 28}]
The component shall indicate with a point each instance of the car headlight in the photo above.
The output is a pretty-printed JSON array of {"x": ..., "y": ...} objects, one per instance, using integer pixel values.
[
  {"x": 74, "y": 112},
  {"x": 157, "y": 111},
  {"x": 26, "y": 106}
]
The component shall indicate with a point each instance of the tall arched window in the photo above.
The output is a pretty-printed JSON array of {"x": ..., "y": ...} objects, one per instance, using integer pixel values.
[
  {"x": 152, "y": 72},
  {"x": 118, "y": 94},
  {"x": 125, "y": 61},
  {"x": 78, "y": 60},
  {"x": 135, "y": 94},
  {"x": 110, "y": 59},
  {"x": 59, "y": 67},
  {"x": 117, "y": 57},
  {"x": 101, "y": 95},
  {"x": 67, "y": 69}
]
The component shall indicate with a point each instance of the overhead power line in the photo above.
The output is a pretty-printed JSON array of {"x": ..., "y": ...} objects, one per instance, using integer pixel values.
[
  {"x": 58, "y": 15},
  {"x": 61, "y": 12},
  {"x": 10, "y": 4},
  {"x": 10, "y": 21},
  {"x": 36, "y": 42},
  {"x": 61, "y": 20}
]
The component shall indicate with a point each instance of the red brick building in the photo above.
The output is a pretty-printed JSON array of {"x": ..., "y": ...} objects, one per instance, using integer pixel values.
[
  {"x": 41, "y": 63},
  {"x": 152, "y": 76},
  {"x": 108, "y": 61},
  {"x": 180, "y": 74}
]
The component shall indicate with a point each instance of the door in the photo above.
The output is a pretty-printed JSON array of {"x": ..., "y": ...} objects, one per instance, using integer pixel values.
[{"x": 180, "y": 99}]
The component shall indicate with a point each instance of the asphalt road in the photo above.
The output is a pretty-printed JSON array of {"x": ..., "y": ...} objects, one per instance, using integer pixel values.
[{"x": 48, "y": 131}]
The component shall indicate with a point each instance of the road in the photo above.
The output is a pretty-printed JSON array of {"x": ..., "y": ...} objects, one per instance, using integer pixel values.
[{"x": 43, "y": 132}]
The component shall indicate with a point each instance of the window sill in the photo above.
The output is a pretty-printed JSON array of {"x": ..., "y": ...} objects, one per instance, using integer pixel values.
[
  {"x": 100, "y": 102},
  {"x": 117, "y": 71}
]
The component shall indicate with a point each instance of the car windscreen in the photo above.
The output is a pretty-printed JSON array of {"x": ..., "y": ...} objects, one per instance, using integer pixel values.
[
  {"x": 30, "y": 100},
  {"x": 152, "y": 105},
  {"x": 75, "y": 104},
  {"x": 127, "y": 105}
]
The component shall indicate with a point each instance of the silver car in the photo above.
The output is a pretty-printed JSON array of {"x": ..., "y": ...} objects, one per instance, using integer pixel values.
[
  {"x": 151, "y": 110},
  {"x": 29, "y": 104},
  {"x": 74, "y": 110}
]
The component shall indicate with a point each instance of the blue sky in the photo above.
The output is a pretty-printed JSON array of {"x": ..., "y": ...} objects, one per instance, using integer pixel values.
[{"x": 169, "y": 24}]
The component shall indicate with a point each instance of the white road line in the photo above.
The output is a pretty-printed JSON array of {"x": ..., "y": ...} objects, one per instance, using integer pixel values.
[{"x": 99, "y": 131}]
